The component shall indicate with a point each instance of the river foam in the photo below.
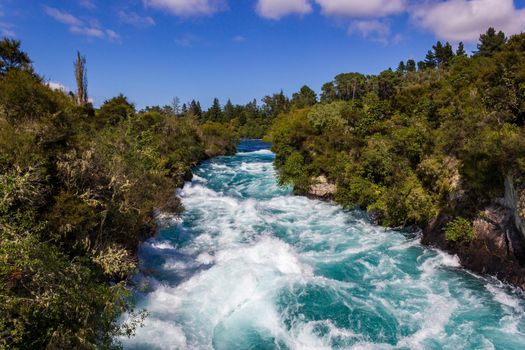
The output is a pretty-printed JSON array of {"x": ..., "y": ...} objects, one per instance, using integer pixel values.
[{"x": 250, "y": 266}]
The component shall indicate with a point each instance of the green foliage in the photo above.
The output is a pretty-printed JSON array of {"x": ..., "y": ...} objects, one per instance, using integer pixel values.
[
  {"x": 410, "y": 144},
  {"x": 115, "y": 110},
  {"x": 304, "y": 98},
  {"x": 327, "y": 116},
  {"x": 218, "y": 138},
  {"x": 490, "y": 42},
  {"x": 78, "y": 192},
  {"x": 459, "y": 230},
  {"x": 12, "y": 57}
]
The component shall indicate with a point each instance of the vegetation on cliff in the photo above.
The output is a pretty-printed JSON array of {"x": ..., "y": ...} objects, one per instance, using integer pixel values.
[
  {"x": 437, "y": 136},
  {"x": 78, "y": 189}
]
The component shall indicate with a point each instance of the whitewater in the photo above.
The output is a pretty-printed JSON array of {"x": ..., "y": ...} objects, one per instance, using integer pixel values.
[{"x": 249, "y": 265}]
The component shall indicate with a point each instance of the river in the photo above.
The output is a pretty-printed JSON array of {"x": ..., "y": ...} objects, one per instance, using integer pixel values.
[{"x": 251, "y": 266}]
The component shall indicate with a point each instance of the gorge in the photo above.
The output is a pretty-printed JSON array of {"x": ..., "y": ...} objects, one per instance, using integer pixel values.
[{"x": 250, "y": 266}]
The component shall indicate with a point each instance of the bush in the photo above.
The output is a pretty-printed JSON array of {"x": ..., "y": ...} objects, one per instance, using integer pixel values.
[{"x": 459, "y": 230}]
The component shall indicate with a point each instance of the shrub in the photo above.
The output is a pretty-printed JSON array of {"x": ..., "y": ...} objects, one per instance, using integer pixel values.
[{"x": 459, "y": 230}]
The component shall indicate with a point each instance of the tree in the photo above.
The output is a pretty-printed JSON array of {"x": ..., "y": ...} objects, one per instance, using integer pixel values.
[
  {"x": 229, "y": 110},
  {"x": 81, "y": 79},
  {"x": 115, "y": 110},
  {"x": 304, "y": 98},
  {"x": 490, "y": 42},
  {"x": 11, "y": 56},
  {"x": 276, "y": 104},
  {"x": 401, "y": 68},
  {"x": 214, "y": 113},
  {"x": 411, "y": 65},
  {"x": 329, "y": 93},
  {"x": 460, "y": 52},
  {"x": 443, "y": 54},
  {"x": 350, "y": 86},
  {"x": 195, "y": 109},
  {"x": 430, "y": 60}
]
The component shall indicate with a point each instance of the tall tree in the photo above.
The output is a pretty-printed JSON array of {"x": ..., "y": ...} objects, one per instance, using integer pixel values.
[
  {"x": 214, "y": 113},
  {"x": 184, "y": 109},
  {"x": 401, "y": 68},
  {"x": 304, "y": 98},
  {"x": 11, "y": 56},
  {"x": 350, "y": 86},
  {"x": 430, "y": 60},
  {"x": 195, "y": 109},
  {"x": 443, "y": 54},
  {"x": 329, "y": 92},
  {"x": 461, "y": 50},
  {"x": 229, "y": 110},
  {"x": 81, "y": 79},
  {"x": 276, "y": 104},
  {"x": 490, "y": 42},
  {"x": 411, "y": 65}
]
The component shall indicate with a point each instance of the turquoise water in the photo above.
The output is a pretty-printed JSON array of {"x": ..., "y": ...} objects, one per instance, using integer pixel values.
[{"x": 250, "y": 266}]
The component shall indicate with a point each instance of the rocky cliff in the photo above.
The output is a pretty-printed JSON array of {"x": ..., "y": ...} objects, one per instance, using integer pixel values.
[{"x": 498, "y": 247}]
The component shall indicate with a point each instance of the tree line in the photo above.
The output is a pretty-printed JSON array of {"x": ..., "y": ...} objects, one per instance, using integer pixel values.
[
  {"x": 79, "y": 189},
  {"x": 430, "y": 139}
]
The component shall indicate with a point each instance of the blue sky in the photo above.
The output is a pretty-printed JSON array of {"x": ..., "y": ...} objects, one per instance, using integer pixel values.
[{"x": 153, "y": 50}]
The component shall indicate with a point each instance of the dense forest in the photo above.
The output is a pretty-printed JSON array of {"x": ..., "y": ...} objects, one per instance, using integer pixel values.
[
  {"x": 433, "y": 137},
  {"x": 438, "y": 144},
  {"x": 79, "y": 189}
]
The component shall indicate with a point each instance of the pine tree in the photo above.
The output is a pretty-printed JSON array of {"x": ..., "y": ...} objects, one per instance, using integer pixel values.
[
  {"x": 81, "y": 79},
  {"x": 443, "y": 54},
  {"x": 430, "y": 60},
  {"x": 460, "y": 52},
  {"x": 401, "y": 68},
  {"x": 195, "y": 109},
  {"x": 11, "y": 56},
  {"x": 447, "y": 54},
  {"x": 214, "y": 113},
  {"x": 490, "y": 42},
  {"x": 411, "y": 65},
  {"x": 229, "y": 111}
]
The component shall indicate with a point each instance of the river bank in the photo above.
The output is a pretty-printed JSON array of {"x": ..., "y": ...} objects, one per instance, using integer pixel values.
[
  {"x": 497, "y": 250},
  {"x": 248, "y": 264}
]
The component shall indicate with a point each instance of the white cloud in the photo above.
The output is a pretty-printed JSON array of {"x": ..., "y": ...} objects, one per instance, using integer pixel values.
[
  {"x": 57, "y": 86},
  {"x": 371, "y": 29},
  {"x": 359, "y": 8},
  {"x": 463, "y": 20},
  {"x": 63, "y": 16},
  {"x": 188, "y": 8},
  {"x": 135, "y": 19},
  {"x": 276, "y": 9},
  {"x": 112, "y": 35},
  {"x": 92, "y": 29},
  {"x": 89, "y": 4}
]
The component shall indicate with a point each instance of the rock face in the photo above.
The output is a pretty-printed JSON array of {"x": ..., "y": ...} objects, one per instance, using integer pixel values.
[
  {"x": 515, "y": 201},
  {"x": 498, "y": 248},
  {"x": 321, "y": 188}
]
